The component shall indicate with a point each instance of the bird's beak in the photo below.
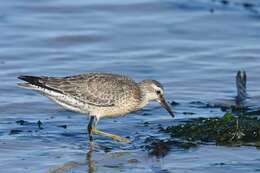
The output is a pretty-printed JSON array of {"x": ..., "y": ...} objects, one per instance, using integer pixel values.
[{"x": 165, "y": 105}]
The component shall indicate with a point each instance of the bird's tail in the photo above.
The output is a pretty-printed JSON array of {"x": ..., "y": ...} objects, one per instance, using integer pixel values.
[{"x": 32, "y": 82}]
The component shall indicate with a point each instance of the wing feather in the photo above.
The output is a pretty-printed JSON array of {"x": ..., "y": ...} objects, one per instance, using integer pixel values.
[{"x": 98, "y": 89}]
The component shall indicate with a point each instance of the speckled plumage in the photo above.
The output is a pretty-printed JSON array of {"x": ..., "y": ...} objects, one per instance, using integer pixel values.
[{"x": 100, "y": 94}]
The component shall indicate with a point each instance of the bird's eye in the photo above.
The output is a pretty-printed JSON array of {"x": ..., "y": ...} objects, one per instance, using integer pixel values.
[{"x": 158, "y": 92}]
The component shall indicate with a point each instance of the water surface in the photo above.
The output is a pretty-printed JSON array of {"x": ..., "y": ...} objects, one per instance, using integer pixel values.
[{"x": 194, "y": 47}]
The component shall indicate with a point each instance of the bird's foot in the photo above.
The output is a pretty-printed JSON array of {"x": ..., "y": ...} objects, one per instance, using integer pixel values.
[
  {"x": 237, "y": 135},
  {"x": 112, "y": 136},
  {"x": 238, "y": 132}
]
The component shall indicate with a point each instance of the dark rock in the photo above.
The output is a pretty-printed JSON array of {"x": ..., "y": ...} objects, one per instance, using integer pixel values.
[
  {"x": 160, "y": 148},
  {"x": 224, "y": 2},
  {"x": 39, "y": 123},
  {"x": 146, "y": 114},
  {"x": 199, "y": 104},
  {"x": 22, "y": 122},
  {"x": 248, "y": 5},
  {"x": 146, "y": 123},
  {"x": 15, "y": 131},
  {"x": 188, "y": 113},
  {"x": 63, "y": 126},
  {"x": 173, "y": 103}
]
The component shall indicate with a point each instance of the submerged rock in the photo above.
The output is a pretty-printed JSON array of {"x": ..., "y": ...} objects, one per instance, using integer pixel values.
[
  {"x": 161, "y": 147},
  {"x": 15, "y": 132},
  {"x": 223, "y": 131},
  {"x": 63, "y": 126},
  {"x": 39, "y": 123},
  {"x": 22, "y": 122}
]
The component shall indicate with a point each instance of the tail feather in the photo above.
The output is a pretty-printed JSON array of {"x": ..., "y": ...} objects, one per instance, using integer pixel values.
[
  {"x": 37, "y": 81},
  {"x": 34, "y": 80}
]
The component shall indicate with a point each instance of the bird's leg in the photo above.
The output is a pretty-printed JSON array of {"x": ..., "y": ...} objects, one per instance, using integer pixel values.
[
  {"x": 238, "y": 133},
  {"x": 110, "y": 135},
  {"x": 91, "y": 125}
]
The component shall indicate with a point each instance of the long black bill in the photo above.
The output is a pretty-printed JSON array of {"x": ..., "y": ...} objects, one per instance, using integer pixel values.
[{"x": 166, "y": 106}]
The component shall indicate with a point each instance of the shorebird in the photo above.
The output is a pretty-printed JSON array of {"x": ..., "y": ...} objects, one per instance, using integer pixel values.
[
  {"x": 98, "y": 95},
  {"x": 241, "y": 87},
  {"x": 239, "y": 101}
]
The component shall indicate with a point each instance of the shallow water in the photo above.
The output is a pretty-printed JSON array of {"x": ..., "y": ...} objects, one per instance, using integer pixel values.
[{"x": 194, "y": 47}]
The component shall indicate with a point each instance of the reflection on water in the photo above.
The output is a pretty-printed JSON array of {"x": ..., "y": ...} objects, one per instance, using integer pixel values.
[
  {"x": 70, "y": 166},
  {"x": 64, "y": 168},
  {"x": 91, "y": 163},
  {"x": 198, "y": 160},
  {"x": 111, "y": 162}
]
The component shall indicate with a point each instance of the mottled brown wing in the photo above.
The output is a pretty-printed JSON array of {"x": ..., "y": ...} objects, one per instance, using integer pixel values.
[{"x": 97, "y": 89}]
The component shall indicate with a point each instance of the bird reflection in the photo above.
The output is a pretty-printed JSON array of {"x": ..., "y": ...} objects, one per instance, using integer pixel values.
[
  {"x": 90, "y": 162},
  {"x": 69, "y": 166}
]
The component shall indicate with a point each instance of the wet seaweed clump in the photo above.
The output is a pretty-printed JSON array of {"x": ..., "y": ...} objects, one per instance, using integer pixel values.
[
  {"x": 226, "y": 130},
  {"x": 157, "y": 147},
  {"x": 161, "y": 147}
]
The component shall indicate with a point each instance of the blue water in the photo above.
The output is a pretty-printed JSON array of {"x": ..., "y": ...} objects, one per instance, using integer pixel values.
[{"x": 193, "y": 47}]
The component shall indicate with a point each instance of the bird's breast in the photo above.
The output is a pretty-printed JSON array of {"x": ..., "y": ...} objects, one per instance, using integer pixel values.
[{"x": 120, "y": 108}]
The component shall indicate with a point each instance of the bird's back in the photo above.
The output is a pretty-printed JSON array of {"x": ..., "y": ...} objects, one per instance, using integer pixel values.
[{"x": 101, "y": 93}]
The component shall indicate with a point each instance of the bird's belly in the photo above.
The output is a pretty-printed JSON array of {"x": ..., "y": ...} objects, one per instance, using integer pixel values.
[
  {"x": 69, "y": 103},
  {"x": 77, "y": 106},
  {"x": 73, "y": 104},
  {"x": 111, "y": 111}
]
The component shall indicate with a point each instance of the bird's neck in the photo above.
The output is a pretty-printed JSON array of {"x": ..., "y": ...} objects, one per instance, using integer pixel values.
[
  {"x": 144, "y": 97},
  {"x": 144, "y": 102}
]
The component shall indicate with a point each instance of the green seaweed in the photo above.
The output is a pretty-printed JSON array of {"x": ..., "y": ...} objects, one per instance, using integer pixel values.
[
  {"x": 228, "y": 116},
  {"x": 226, "y": 130}
]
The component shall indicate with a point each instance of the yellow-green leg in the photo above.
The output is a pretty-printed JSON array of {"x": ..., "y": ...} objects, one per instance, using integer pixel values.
[
  {"x": 92, "y": 129},
  {"x": 110, "y": 135}
]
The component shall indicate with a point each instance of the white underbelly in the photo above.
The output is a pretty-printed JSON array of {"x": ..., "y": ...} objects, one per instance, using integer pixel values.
[
  {"x": 68, "y": 104},
  {"x": 65, "y": 101}
]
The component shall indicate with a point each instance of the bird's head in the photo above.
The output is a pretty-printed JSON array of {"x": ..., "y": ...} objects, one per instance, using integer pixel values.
[{"x": 153, "y": 91}]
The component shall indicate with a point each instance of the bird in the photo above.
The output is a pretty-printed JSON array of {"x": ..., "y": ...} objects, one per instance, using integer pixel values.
[
  {"x": 98, "y": 95},
  {"x": 241, "y": 80},
  {"x": 238, "y": 104},
  {"x": 240, "y": 101}
]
